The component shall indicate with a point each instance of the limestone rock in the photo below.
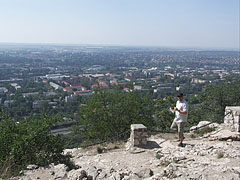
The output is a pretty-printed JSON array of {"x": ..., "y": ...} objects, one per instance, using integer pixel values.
[
  {"x": 32, "y": 167},
  {"x": 93, "y": 172},
  {"x": 144, "y": 173},
  {"x": 74, "y": 174},
  {"x": 60, "y": 171}
]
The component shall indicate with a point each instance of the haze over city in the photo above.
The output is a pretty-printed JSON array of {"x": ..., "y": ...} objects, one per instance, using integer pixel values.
[{"x": 169, "y": 23}]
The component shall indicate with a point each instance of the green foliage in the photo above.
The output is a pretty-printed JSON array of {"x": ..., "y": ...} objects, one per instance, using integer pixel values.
[
  {"x": 165, "y": 163},
  {"x": 216, "y": 97},
  {"x": 210, "y": 105},
  {"x": 159, "y": 156},
  {"x": 99, "y": 150},
  {"x": 220, "y": 155},
  {"x": 110, "y": 112},
  {"x": 28, "y": 142},
  {"x": 204, "y": 130},
  {"x": 192, "y": 136},
  {"x": 195, "y": 115},
  {"x": 72, "y": 140},
  {"x": 163, "y": 116}
]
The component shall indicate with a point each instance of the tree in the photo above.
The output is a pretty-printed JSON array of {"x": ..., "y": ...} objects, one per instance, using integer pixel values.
[
  {"x": 111, "y": 112},
  {"x": 28, "y": 142},
  {"x": 211, "y": 103},
  {"x": 215, "y": 98},
  {"x": 163, "y": 116}
]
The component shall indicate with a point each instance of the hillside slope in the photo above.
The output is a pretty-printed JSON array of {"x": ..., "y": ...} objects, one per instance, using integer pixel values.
[{"x": 214, "y": 156}]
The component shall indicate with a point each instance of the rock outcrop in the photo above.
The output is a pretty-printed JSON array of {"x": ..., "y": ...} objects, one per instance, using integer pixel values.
[{"x": 206, "y": 158}]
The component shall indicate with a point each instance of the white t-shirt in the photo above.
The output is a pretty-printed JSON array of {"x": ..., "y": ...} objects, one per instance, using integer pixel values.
[{"x": 182, "y": 106}]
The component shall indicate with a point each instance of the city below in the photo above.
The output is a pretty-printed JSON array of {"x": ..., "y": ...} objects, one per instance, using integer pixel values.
[{"x": 50, "y": 78}]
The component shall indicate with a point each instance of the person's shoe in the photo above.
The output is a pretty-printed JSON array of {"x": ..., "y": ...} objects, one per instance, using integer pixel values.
[
  {"x": 180, "y": 145},
  {"x": 183, "y": 138},
  {"x": 179, "y": 139}
]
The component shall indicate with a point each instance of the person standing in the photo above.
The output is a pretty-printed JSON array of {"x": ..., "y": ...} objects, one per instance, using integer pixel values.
[{"x": 181, "y": 114}]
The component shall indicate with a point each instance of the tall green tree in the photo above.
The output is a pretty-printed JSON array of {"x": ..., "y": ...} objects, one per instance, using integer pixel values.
[
  {"x": 110, "y": 112},
  {"x": 211, "y": 103},
  {"x": 163, "y": 116},
  {"x": 215, "y": 98},
  {"x": 28, "y": 142}
]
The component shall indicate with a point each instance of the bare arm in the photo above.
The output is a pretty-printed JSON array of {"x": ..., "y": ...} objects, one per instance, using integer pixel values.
[{"x": 181, "y": 112}]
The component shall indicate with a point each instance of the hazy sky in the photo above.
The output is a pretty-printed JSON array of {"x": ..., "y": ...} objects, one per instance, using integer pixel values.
[{"x": 179, "y": 23}]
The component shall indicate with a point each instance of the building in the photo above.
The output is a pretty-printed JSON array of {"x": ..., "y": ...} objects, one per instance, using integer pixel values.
[
  {"x": 55, "y": 86},
  {"x": 15, "y": 85},
  {"x": 30, "y": 94},
  {"x": 74, "y": 88},
  {"x": 136, "y": 87},
  {"x": 99, "y": 84},
  {"x": 200, "y": 81},
  {"x": 83, "y": 93},
  {"x": 3, "y": 90},
  {"x": 56, "y": 77},
  {"x": 8, "y": 103},
  {"x": 69, "y": 99},
  {"x": 36, "y": 104}
]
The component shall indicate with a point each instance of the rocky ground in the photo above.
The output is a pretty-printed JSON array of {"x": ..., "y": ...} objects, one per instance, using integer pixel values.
[{"x": 216, "y": 156}]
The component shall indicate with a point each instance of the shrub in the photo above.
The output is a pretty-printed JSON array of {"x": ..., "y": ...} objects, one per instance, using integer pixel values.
[
  {"x": 165, "y": 163},
  {"x": 158, "y": 156},
  {"x": 192, "y": 136},
  {"x": 116, "y": 147},
  {"x": 99, "y": 150},
  {"x": 204, "y": 130},
  {"x": 220, "y": 155},
  {"x": 29, "y": 142},
  {"x": 107, "y": 114}
]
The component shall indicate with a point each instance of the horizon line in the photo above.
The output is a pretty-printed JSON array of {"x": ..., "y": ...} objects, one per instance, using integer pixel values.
[{"x": 119, "y": 45}]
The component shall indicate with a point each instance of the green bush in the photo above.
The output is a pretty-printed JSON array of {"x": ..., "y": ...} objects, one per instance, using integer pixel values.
[
  {"x": 99, "y": 150},
  {"x": 28, "y": 142},
  {"x": 220, "y": 155},
  {"x": 159, "y": 156},
  {"x": 204, "y": 130},
  {"x": 109, "y": 113}
]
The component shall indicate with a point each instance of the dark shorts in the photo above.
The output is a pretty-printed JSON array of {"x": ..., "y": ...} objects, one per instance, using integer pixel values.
[{"x": 179, "y": 127}]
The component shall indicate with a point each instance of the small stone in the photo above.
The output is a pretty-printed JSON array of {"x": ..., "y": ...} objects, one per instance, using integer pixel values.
[
  {"x": 112, "y": 177},
  {"x": 79, "y": 155},
  {"x": 32, "y": 167},
  {"x": 89, "y": 177}
]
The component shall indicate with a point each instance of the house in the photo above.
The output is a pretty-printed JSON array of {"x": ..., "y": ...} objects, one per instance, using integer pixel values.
[
  {"x": 15, "y": 85},
  {"x": 8, "y": 103},
  {"x": 30, "y": 94},
  {"x": 3, "y": 90},
  {"x": 74, "y": 88},
  {"x": 56, "y": 76},
  {"x": 172, "y": 75},
  {"x": 196, "y": 80},
  {"x": 114, "y": 82},
  {"x": 99, "y": 84},
  {"x": 127, "y": 90},
  {"x": 83, "y": 93},
  {"x": 69, "y": 99},
  {"x": 36, "y": 104},
  {"x": 136, "y": 87},
  {"x": 55, "y": 86}
]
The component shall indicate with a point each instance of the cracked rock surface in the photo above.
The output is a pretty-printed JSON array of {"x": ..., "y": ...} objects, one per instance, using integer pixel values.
[{"x": 203, "y": 158}]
